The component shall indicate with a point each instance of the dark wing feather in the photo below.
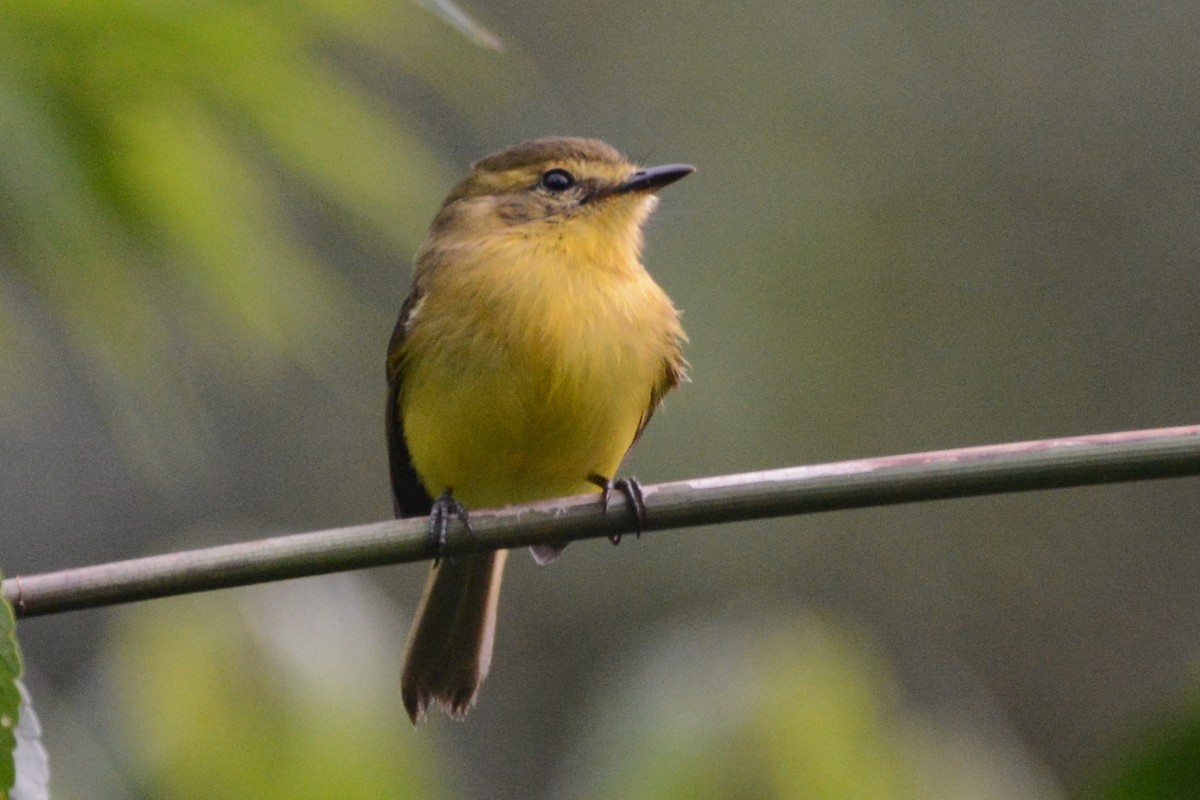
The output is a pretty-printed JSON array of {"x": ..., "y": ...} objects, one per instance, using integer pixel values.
[
  {"x": 409, "y": 497},
  {"x": 674, "y": 373}
]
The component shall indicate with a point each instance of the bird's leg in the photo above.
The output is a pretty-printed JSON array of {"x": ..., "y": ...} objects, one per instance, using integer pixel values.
[
  {"x": 634, "y": 497},
  {"x": 440, "y": 514}
]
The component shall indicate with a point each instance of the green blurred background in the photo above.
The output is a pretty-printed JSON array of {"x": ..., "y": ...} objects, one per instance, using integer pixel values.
[{"x": 913, "y": 226}]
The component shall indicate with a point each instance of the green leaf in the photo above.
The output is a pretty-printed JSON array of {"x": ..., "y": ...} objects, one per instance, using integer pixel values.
[
  {"x": 24, "y": 764},
  {"x": 151, "y": 156},
  {"x": 30, "y": 757},
  {"x": 768, "y": 707},
  {"x": 1161, "y": 763},
  {"x": 281, "y": 691},
  {"x": 10, "y": 694}
]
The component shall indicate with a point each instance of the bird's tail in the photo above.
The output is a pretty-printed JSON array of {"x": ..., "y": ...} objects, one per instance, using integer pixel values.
[{"x": 450, "y": 645}]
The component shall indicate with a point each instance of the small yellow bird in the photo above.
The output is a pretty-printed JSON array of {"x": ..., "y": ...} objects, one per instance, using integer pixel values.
[{"x": 528, "y": 357}]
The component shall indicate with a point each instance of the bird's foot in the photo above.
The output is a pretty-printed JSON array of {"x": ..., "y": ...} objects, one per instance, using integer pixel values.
[
  {"x": 444, "y": 509},
  {"x": 634, "y": 497}
]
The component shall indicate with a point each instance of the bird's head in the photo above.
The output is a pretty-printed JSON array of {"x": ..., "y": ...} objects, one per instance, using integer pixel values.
[{"x": 579, "y": 191}]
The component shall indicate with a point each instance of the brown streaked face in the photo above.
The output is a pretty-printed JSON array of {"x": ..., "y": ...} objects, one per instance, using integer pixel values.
[{"x": 553, "y": 180}]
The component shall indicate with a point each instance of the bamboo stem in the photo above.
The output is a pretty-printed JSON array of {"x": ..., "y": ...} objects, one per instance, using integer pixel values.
[{"x": 993, "y": 469}]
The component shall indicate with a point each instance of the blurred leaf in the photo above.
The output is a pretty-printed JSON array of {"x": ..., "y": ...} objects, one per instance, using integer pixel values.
[
  {"x": 1163, "y": 763},
  {"x": 274, "y": 692},
  {"x": 145, "y": 154},
  {"x": 10, "y": 695},
  {"x": 800, "y": 714},
  {"x": 30, "y": 757},
  {"x": 781, "y": 708}
]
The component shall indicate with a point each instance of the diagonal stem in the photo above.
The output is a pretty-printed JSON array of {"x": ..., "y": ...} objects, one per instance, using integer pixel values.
[{"x": 992, "y": 469}]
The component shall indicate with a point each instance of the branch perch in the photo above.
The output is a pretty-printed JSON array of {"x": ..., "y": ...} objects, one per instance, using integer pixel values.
[{"x": 993, "y": 469}]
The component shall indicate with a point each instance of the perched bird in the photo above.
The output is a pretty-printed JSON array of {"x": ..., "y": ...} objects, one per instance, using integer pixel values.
[{"x": 529, "y": 355}]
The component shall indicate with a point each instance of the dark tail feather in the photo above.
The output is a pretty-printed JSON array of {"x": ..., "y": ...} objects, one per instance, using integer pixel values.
[{"x": 450, "y": 645}]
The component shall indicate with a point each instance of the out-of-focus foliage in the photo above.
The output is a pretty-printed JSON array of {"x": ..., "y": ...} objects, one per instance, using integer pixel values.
[
  {"x": 787, "y": 707},
  {"x": 24, "y": 770},
  {"x": 10, "y": 695},
  {"x": 1161, "y": 764},
  {"x": 30, "y": 758},
  {"x": 281, "y": 695},
  {"x": 143, "y": 147},
  {"x": 282, "y": 692}
]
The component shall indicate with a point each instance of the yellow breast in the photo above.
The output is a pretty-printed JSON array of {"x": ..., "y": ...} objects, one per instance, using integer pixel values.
[{"x": 529, "y": 366}]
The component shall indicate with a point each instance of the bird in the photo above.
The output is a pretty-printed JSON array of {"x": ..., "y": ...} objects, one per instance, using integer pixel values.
[{"x": 531, "y": 351}]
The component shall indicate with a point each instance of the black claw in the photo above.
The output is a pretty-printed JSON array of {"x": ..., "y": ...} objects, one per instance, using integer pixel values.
[
  {"x": 444, "y": 508},
  {"x": 635, "y": 498}
]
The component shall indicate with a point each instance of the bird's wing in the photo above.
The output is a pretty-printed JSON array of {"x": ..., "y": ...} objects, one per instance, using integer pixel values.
[
  {"x": 409, "y": 496},
  {"x": 674, "y": 372}
]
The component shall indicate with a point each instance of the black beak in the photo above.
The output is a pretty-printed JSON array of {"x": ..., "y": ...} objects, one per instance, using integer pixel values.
[{"x": 654, "y": 178}]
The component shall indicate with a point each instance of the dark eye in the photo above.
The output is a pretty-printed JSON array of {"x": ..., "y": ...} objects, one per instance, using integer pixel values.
[{"x": 557, "y": 180}]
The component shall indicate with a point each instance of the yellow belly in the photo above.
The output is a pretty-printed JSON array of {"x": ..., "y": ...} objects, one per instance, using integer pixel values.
[
  {"x": 494, "y": 441},
  {"x": 538, "y": 386}
]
